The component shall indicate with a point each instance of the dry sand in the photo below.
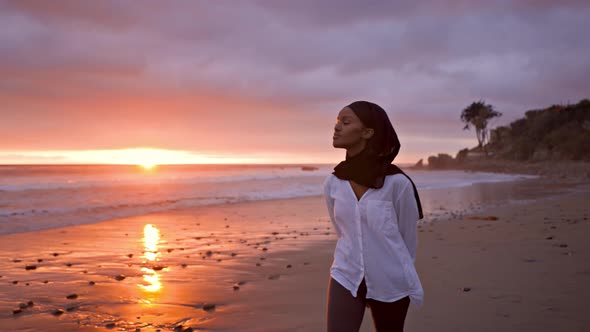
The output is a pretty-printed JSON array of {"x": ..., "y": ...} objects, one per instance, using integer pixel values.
[{"x": 527, "y": 270}]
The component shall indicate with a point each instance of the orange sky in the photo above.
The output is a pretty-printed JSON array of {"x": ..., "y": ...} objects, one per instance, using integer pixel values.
[{"x": 262, "y": 82}]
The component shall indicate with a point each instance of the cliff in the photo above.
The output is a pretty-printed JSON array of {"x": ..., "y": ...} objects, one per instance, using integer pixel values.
[{"x": 543, "y": 142}]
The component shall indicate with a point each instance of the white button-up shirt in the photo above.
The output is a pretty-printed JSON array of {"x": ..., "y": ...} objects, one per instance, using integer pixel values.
[{"x": 377, "y": 238}]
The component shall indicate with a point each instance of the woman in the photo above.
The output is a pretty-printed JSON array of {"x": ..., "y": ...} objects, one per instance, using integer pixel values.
[{"x": 374, "y": 208}]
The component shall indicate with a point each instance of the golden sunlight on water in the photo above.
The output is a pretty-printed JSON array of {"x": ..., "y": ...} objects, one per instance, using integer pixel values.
[
  {"x": 151, "y": 238},
  {"x": 148, "y": 166}
]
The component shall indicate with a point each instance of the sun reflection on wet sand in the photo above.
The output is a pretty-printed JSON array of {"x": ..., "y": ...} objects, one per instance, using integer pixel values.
[
  {"x": 151, "y": 238},
  {"x": 152, "y": 278}
]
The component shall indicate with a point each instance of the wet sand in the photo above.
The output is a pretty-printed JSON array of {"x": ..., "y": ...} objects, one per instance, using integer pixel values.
[{"x": 511, "y": 258}]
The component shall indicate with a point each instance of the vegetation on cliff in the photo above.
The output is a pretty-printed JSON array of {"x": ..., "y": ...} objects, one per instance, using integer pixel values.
[{"x": 556, "y": 133}]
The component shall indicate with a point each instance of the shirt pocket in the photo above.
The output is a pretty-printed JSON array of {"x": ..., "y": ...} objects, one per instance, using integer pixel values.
[{"x": 379, "y": 216}]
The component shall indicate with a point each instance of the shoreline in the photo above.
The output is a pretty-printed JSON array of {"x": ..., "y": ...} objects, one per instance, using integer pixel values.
[
  {"x": 557, "y": 171},
  {"x": 283, "y": 288},
  {"x": 18, "y": 223}
]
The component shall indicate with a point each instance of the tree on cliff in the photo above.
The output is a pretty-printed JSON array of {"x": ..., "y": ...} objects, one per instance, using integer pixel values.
[{"x": 478, "y": 114}]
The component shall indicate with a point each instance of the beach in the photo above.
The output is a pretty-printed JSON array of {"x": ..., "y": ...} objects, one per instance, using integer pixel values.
[
  {"x": 494, "y": 265},
  {"x": 163, "y": 165}
]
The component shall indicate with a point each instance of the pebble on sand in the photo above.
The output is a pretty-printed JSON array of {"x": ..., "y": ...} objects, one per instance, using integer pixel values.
[
  {"x": 484, "y": 218},
  {"x": 120, "y": 277},
  {"x": 209, "y": 307},
  {"x": 31, "y": 267},
  {"x": 72, "y": 296},
  {"x": 58, "y": 312}
]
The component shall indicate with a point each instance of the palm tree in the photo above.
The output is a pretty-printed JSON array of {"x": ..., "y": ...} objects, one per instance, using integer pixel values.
[{"x": 478, "y": 114}]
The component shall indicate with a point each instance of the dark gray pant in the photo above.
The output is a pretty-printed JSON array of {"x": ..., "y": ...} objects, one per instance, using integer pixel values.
[{"x": 345, "y": 312}]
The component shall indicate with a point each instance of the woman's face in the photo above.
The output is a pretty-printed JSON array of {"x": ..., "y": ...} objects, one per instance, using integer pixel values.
[{"x": 349, "y": 131}]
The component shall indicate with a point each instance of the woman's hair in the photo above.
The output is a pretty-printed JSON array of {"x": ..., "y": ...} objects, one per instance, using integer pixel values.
[{"x": 384, "y": 143}]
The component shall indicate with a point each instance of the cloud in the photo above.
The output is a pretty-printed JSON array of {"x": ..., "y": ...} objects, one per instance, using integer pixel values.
[
  {"x": 16, "y": 158},
  {"x": 177, "y": 74}
]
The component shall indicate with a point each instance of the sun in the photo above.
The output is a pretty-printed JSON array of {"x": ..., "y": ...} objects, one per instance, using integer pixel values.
[{"x": 147, "y": 166}]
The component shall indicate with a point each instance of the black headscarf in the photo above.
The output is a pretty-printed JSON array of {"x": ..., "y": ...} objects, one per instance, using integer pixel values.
[{"x": 371, "y": 165}]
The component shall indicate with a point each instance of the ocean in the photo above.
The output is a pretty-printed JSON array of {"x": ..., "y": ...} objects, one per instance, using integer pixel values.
[{"x": 36, "y": 197}]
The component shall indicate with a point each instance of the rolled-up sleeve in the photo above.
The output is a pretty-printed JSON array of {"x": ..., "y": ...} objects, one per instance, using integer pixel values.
[{"x": 407, "y": 216}]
